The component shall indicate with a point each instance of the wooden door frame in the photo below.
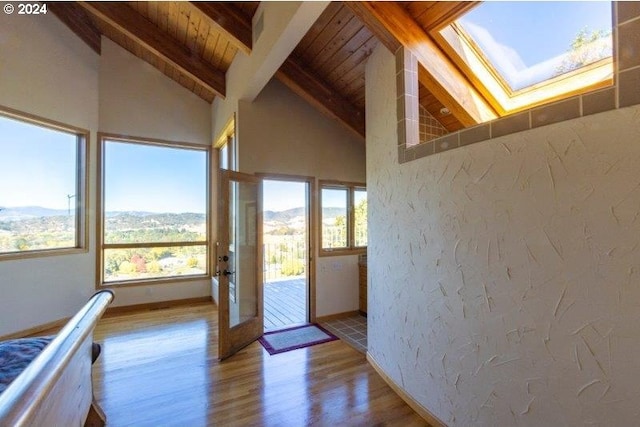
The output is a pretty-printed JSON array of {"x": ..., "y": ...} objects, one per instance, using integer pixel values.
[
  {"x": 245, "y": 333},
  {"x": 312, "y": 226}
]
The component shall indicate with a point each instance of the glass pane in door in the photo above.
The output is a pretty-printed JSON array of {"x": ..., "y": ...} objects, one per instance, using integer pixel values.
[{"x": 242, "y": 264}]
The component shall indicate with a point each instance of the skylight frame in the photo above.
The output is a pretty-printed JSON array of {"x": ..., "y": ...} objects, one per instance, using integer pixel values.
[{"x": 490, "y": 83}]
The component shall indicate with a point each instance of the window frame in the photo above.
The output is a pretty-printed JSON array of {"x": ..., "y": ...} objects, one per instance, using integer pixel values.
[
  {"x": 488, "y": 81},
  {"x": 351, "y": 248},
  {"x": 82, "y": 187},
  {"x": 100, "y": 214}
]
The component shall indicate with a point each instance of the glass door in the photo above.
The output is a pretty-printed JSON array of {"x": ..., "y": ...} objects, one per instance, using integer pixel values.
[{"x": 240, "y": 311}]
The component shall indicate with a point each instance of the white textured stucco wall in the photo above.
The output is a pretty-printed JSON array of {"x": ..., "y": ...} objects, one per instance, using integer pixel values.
[{"x": 504, "y": 276}]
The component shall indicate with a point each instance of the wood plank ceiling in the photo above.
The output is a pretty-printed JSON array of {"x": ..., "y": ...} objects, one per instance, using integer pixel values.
[{"x": 195, "y": 43}]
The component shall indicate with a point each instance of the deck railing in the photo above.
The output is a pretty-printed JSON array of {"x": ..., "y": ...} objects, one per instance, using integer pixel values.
[{"x": 284, "y": 259}]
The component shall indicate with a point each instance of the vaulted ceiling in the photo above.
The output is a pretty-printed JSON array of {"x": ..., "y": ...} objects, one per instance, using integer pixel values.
[{"x": 194, "y": 43}]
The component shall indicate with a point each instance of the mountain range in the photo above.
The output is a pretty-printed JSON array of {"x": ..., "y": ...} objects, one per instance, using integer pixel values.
[{"x": 28, "y": 212}]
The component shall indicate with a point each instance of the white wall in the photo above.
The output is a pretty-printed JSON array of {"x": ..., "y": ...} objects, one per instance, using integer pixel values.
[
  {"x": 47, "y": 71},
  {"x": 503, "y": 276},
  {"x": 281, "y": 133},
  {"x": 138, "y": 100}
]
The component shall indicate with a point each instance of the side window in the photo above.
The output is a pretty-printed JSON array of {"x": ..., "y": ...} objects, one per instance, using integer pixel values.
[
  {"x": 42, "y": 186},
  {"x": 343, "y": 218}
]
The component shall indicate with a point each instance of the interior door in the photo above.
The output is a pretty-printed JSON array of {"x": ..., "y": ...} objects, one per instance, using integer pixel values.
[{"x": 240, "y": 311}]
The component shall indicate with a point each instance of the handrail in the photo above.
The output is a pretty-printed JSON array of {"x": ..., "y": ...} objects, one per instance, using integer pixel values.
[{"x": 24, "y": 395}]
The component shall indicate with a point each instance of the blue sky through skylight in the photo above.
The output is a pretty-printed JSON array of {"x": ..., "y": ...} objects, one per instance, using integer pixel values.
[{"x": 526, "y": 41}]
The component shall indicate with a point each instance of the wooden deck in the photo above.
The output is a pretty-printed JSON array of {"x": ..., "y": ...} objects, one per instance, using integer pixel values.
[{"x": 285, "y": 303}]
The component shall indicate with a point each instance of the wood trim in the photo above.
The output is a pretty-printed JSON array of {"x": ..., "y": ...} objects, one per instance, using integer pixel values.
[
  {"x": 152, "y": 245},
  {"x": 318, "y": 93},
  {"x": 153, "y": 281},
  {"x": 40, "y": 121},
  {"x": 151, "y": 306},
  {"x": 230, "y": 21},
  {"x": 414, "y": 404},
  {"x": 127, "y": 21},
  {"x": 338, "y": 183},
  {"x": 229, "y": 130},
  {"x": 341, "y": 252},
  {"x": 441, "y": 77},
  {"x": 337, "y": 316},
  {"x": 374, "y": 25},
  {"x": 78, "y": 21},
  {"x": 351, "y": 249},
  {"x": 152, "y": 141}
]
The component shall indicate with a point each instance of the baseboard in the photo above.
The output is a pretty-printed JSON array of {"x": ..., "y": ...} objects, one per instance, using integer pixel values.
[
  {"x": 36, "y": 330},
  {"x": 161, "y": 305},
  {"x": 420, "y": 410},
  {"x": 337, "y": 316}
]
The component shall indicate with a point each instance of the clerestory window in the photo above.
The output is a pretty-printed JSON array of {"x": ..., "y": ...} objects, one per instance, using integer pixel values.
[{"x": 523, "y": 54}]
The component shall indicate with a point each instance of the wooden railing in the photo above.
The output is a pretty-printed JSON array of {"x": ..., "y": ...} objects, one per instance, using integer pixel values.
[{"x": 55, "y": 389}]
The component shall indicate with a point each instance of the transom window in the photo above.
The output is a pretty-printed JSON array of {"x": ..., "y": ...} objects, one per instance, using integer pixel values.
[
  {"x": 343, "y": 219},
  {"x": 154, "y": 210},
  {"x": 42, "y": 186},
  {"x": 522, "y": 54}
]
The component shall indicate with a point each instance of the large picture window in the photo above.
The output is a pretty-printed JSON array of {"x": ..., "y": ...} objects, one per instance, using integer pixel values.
[
  {"x": 42, "y": 186},
  {"x": 343, "y": 217},
  {"x": 154, "y": 210}
]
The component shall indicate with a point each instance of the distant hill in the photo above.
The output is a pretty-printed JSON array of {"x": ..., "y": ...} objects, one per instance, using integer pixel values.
[
  {"x": 283, "y": 216},
  {"x": 132, "y": 218},
  {"x": 25, "y": 212},
  {"x": 30, "y": 212},
  {"x": 289, "y": 214}
]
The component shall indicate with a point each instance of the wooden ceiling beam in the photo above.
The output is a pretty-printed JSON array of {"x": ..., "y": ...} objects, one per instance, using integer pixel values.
[
  {"x": 78, "y": 21},
  {"x": 315, "y": 91},
  {"x": 389, "y": 22},
  {"x": 126, "y": 20},
  {"x": 229, "y": 20}
]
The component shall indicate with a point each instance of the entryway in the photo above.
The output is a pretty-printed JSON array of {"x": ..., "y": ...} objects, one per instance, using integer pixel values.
[{"x": 286, "y": 243}]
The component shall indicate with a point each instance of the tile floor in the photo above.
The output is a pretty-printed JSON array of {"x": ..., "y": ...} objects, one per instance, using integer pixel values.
[{"x": 352, "y": 330}]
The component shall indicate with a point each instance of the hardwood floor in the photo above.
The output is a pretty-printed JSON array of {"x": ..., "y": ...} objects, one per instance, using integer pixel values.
[{"x": 160, "y": 368}]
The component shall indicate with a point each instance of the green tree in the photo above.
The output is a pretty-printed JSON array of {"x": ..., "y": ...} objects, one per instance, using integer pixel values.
[
  {"x": 292, "y": 267},
  {"x": 360, "y": 218},
  {"x": 586, "y": 48}
]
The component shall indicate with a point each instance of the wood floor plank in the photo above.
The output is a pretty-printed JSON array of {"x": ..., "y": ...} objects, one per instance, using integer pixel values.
[
  {"x": 284, "y": 303},
  {"x": 160, "y": 367}
]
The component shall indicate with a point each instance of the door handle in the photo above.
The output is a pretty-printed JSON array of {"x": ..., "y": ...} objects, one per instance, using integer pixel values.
[{"x": 228, "y": 273}]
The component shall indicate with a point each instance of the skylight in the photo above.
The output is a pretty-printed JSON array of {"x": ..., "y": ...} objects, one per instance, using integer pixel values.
[{"x": 522, "y": 47}]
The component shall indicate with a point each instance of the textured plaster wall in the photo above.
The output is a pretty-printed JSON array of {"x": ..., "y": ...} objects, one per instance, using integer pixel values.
[{"x": 504, "y": 277}]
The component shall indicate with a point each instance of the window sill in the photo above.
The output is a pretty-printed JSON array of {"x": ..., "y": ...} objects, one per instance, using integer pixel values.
[
  {"x": 342, "y": 252},
  {"x": 42, "y": 253},
  {"x": 154, "y": 281}
]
